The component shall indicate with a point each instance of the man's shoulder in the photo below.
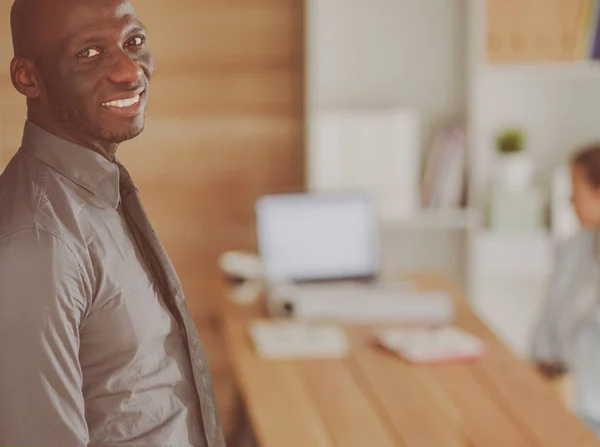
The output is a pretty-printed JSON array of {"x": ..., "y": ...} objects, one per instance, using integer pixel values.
[
  {"x": 32, "y": 195},
  {"x": 19, "y": 193}
]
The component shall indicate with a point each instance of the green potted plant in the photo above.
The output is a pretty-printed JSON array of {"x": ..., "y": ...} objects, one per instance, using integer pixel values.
[
  {"x": 515, "y": 168},
  {"x": 510, "y": 141}
]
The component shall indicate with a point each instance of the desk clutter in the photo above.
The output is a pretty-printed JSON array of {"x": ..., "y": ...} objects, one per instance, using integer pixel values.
[{"x": 293, "y": 340}]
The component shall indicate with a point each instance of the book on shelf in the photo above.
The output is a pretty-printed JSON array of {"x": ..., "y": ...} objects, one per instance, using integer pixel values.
[
  {"x": 588, "y": 30},
  {"x": 593, "y": 49},
  {"x": 444, "y": 177}
]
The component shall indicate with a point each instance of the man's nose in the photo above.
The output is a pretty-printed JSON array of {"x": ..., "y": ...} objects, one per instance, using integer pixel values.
[{"x": 125, "y": 70}]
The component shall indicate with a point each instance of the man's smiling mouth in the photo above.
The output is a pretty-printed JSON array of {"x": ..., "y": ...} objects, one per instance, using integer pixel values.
[
  {"x": 128, "y": 105},
  {"x": 123, "y": 103}
]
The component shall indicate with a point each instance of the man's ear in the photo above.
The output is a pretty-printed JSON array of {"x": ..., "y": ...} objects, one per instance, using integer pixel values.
[{"x": 23, "y": 76}]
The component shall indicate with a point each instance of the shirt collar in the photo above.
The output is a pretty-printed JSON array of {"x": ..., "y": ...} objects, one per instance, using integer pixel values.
[{"x": 79, "y": 164}]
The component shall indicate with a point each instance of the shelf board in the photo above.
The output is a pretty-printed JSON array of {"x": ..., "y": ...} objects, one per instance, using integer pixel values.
[
  {"x": 460, "y": 219},
  {"x": 558, "y": 69}
]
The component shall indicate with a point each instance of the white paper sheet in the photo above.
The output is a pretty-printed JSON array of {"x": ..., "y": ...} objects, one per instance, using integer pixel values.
[
  {"x": 374, "y": 151},
  {"x": 288, "y": 339}
]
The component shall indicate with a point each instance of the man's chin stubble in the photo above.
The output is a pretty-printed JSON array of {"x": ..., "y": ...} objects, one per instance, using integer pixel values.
[
  {"x": 118, "y": 138},
  {"x": 79, "y": 123}
]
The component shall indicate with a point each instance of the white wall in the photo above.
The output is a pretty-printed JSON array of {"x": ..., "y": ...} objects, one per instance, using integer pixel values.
[
  {"x": 379, "y": 53},
  {"x": 393, "y": 53}
]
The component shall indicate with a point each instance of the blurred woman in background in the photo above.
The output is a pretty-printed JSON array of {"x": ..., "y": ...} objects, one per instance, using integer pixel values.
[{"x": 568, "y": 333}]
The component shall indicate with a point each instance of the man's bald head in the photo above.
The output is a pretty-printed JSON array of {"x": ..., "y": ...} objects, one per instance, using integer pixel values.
[
  {"x": 29, "y": 20},
  {"x": 22, "y": 21}
]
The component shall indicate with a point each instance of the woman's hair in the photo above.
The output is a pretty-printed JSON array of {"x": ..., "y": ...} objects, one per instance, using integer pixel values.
[{"x": 589, "y": 159}]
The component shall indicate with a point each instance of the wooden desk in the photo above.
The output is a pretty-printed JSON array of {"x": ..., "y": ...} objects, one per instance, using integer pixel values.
[{"x": 373, "y": 399}]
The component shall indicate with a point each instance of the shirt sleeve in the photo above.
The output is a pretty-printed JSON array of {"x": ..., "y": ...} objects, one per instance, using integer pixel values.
[
  {"x": 560, "y": 303},
  {"x": 42, "y": 303}
]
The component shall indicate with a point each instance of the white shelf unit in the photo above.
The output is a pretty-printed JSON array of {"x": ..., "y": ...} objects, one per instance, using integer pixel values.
[
  {"x": 509, "y": 276},
  {"x": 429, "y": 56},
  {"x": 581, "y": 70},
  {"x": 558, "y": 104},
  {"x": 438, "y": 220}
]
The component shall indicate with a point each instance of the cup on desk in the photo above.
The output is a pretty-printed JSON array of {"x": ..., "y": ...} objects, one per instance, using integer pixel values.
[{"x": 245, "y": 272}]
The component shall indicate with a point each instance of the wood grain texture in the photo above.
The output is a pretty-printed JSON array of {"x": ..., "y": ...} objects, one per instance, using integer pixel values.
[
  {"x": 373, "y": 395},
  {"x": 225, "y": 124},
  {"x": 515, "y": 388},
  {"x": 283, "y": 411},
  {"x": 417, "y": 412},
  {"x": 482, "y": 420},
  {"x": 351, "y": 418}
]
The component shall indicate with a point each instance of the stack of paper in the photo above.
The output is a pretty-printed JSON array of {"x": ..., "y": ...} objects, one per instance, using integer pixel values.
[
  {"x": 440, "y": 345},
  {"x": 375, "y": 151},
  {"x": 289, "y": 339},
  {"x": 443, "y": 182}
]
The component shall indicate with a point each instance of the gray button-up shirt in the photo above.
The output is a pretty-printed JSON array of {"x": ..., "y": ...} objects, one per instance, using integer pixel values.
[
  {"x": 569, "y": 328},
  {"x": 96, "y": 344}
]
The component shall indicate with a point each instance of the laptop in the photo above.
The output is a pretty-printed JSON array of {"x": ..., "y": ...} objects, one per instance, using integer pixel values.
[
  {"x": 318, "y": 237},
  {"x": 321, "y": 258}
]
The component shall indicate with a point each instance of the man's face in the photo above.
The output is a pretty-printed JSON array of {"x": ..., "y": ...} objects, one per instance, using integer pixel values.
[{"x": 95, "y": 82}]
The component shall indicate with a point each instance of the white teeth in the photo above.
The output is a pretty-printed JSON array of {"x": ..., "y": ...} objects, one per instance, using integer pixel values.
[{"x": 123, "y": 102}]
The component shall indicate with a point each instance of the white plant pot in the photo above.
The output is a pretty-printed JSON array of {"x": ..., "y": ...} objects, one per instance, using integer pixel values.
[{"x": 515, "y": 171}]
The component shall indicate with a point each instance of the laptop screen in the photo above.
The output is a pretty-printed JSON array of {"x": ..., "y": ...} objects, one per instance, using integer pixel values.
[{"x": 303, "y": 237}]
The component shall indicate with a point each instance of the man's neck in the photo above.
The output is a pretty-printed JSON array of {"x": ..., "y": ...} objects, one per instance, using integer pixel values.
[{"x": 107, "y": 150}]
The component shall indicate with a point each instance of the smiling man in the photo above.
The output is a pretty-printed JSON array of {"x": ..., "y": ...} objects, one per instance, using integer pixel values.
[{"x": 97, "y": 347}]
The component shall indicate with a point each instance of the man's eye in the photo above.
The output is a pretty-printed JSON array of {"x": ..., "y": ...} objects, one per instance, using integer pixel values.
[
  {"x": 90, "y": 52},
  {"x": 136, "y": 41}
]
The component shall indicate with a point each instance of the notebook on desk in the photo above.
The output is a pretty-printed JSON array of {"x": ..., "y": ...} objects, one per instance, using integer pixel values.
[
  {"x": 431, "y": 346},
  {"x": 321, "y": 255},
  {"x": 292, "y": 340}
]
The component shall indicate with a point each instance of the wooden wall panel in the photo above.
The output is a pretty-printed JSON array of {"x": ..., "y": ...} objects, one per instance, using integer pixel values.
[
  {"x": 224, "y": 125},
  {"x": 222, "y": 92}
]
